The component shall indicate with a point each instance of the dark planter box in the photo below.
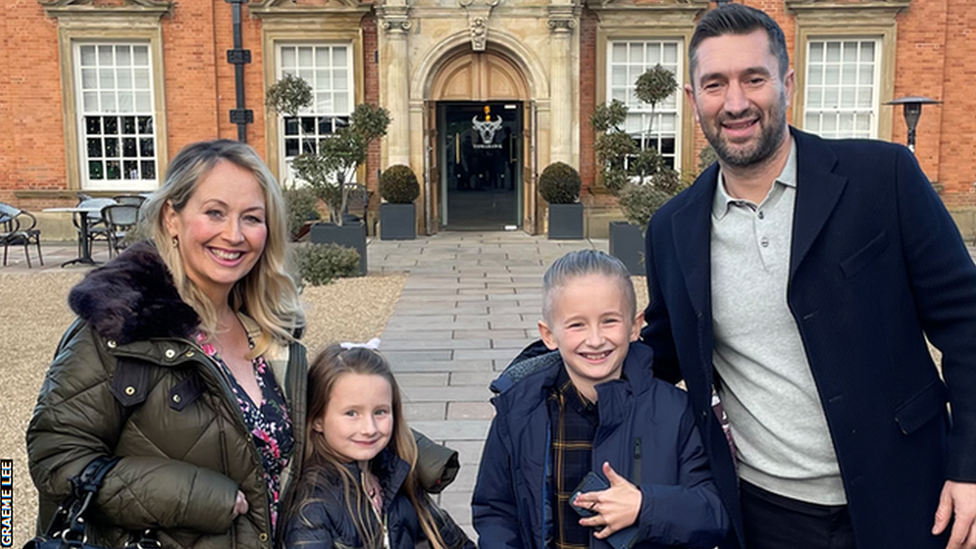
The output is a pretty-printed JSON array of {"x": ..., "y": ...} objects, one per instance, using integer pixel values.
[
  {"x": 627, "y": 245},
  {"x": 566, "y": 221},
  {"x": 350, "y": 235},
  {"x": 398, "y": 222}
]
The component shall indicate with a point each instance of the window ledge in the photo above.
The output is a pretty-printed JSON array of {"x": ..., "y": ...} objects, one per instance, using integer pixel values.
[
  {"x": 833, "y": 10},
  {"x": 78, "y": 9}
]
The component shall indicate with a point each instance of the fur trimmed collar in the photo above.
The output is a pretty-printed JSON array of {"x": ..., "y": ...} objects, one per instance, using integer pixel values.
[{"x": 133, "y": 298}]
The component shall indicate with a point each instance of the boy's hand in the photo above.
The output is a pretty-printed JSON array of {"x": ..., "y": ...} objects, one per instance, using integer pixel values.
[{"x": 617, "y": 507}]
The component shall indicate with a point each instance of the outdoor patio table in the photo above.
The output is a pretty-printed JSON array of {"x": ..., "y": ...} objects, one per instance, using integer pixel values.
[{"x": 86, "y": 257}]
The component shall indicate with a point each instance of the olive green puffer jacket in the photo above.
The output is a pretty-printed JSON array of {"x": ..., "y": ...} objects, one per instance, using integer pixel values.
[{"x": 128, "y": 380}]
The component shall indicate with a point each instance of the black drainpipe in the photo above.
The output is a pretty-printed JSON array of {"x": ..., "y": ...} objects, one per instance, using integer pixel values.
[{"x": 239, "y": 57}]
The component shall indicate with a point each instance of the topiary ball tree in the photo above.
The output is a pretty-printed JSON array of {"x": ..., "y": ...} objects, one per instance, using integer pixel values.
[
  {"x": 560, "y": 183},
  {"x": 398, "y": 185}
]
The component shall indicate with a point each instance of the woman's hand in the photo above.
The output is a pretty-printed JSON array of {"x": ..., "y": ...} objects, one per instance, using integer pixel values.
[{"x": 240, "y": 504}]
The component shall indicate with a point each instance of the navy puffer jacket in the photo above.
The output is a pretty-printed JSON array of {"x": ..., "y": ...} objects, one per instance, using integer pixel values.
[
  {"x": 646, "y": 432},
  {"x": 320, "y": 518}
]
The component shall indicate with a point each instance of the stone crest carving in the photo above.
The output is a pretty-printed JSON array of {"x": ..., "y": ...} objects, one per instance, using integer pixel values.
[{"x": 478, "y": 12}]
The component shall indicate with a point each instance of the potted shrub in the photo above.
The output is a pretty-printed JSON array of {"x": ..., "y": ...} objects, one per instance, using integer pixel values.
[
  {"x": 656, "y": 183},
  {"x": 560, "y": 186},
  {"x": 302, "y": 210},
  {"x": 398, "y": 216},
  {"x": 331, "y": 166},
  {"x": 645, "y": 181},
  {"x": 330, "y": 169},
  {"x": 612, "y": 144}
]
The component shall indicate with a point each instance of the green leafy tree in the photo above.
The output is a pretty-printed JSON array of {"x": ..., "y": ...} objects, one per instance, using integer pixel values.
[
  {"x": 336, "y": 159},
  {"x": 613, "y": 144},
  {"x": 289, "y": 95},
  {"x": 333, "y": 163},
  {"x": 655, "y": 85},
  {"x": 642, "y": 179}
]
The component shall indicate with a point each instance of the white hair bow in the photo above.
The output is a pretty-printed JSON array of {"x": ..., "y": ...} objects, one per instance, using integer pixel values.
[{"x": 372, "y": 344}]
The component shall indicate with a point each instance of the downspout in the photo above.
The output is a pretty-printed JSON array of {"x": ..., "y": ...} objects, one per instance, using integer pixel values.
[{"x": 239, "y": 57}]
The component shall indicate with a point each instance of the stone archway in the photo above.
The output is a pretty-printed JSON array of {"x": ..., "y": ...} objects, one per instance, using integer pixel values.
[
  {"x": 466, "y": 80},
  {"x": 479, "y": 76}
]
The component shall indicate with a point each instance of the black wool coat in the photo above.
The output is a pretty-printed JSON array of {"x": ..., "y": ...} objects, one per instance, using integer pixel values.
[{"x": 876, "y": 266}]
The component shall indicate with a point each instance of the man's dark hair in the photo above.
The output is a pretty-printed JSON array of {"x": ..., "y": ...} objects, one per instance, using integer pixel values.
[{"x": 738, "y": 19}]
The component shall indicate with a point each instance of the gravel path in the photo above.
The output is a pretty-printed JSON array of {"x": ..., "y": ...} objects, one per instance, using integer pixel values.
[{"x": 34, "y": 314}]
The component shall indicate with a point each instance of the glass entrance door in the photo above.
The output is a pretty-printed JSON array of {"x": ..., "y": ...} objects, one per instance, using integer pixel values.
[{"x": 481, "y": 179}]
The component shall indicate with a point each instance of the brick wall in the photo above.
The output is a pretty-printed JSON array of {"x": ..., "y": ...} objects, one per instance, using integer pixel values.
[
  {"x": 31, "y": 123},
  {"x": 935, "y": 56},
  {"x": 957, "y": 138},
  {"x": 587, "y": 94},
  {"x": 192, "y": 62},
  {"x": 371, "y": 83},
  {"x": 919, "y": 69}
]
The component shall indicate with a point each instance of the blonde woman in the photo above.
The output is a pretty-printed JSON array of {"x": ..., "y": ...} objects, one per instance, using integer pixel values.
[{"x": 184, "y": 363}]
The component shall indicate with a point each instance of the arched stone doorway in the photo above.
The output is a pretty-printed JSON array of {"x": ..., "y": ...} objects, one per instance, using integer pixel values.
[{"x": 480, "y": 137}]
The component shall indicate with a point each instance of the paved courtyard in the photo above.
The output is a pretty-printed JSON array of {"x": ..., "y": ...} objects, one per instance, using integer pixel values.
[{"x": 471, "y": 302}]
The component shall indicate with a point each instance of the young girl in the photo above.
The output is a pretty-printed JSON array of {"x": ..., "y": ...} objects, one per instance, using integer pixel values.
[{"x": 359, "y": 486}]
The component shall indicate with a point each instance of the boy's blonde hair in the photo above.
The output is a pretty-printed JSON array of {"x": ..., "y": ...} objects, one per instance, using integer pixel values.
[{"x": 582, "y": 263}]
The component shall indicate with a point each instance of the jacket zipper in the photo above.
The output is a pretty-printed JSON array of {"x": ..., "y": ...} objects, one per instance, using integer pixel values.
[
  {"x": 376, "y": 513},
  {"x": 638, "y": 454}
]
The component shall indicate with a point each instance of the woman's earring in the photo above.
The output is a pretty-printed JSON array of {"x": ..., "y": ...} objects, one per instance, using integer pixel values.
[{"x": 176, "y": 242}]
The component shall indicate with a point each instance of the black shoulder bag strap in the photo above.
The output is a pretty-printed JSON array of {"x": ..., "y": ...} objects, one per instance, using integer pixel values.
[
  {"x": 84, "y": 488},
  {"x": 67, "y": 528}
]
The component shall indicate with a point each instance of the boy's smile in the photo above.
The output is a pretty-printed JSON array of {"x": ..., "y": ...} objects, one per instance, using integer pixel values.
[{"x": 592, "y": 325}]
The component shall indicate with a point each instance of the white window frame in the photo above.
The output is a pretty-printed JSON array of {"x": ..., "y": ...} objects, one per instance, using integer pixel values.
[
  {"x": 825, "y": 100},
  {"x": 333, "y": 117},
  {"x": 672, "y": 106},
  {"x": 124, "y": 183}
]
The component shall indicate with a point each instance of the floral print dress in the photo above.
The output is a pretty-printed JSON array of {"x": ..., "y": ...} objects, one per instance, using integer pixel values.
[{"x": 267, "y": 421}]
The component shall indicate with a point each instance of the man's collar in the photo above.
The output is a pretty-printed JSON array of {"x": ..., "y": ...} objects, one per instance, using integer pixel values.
[{"x": 723, "y": 201}]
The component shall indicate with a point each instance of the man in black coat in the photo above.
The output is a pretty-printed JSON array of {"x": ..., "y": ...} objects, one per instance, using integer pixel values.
[{"x": 800, "y": 277}]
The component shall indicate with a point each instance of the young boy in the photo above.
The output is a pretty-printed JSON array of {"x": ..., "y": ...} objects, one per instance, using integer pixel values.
[{"x": 593, "y": 406}]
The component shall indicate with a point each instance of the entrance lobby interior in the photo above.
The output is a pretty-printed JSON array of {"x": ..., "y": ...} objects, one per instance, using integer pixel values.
[{"x": 481, "y": 164}]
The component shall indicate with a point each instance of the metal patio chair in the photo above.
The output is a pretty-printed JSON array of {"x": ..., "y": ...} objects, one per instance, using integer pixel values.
[
  {"x": 119, "y": 219},
  {"x": 357, "y": 205},
  {"x": 19, "y": 228},
  {"x": 97, "y": 229},
  {"x": 134, "y": 199}
]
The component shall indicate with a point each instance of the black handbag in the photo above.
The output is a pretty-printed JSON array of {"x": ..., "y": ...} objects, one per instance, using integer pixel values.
[{"x": 67, "y": 528}]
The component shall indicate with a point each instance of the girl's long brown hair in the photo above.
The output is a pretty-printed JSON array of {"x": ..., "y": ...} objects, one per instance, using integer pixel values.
[{"x": 331, "y": 364}]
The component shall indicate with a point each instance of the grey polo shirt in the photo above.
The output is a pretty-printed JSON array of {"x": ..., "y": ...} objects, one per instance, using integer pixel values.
[{"x": 765, "y": 382}]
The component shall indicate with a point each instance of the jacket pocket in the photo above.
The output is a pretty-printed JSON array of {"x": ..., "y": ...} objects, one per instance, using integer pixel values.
[
  {"x": 921, "y": 407},
  {"x": 185, "y": 392},
  {"x": 861, "y": 258},
  {"x": 131, "y": 382}
]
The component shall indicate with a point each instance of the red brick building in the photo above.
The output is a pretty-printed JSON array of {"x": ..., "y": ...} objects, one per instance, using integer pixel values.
[{"x": 98, "y": 95}]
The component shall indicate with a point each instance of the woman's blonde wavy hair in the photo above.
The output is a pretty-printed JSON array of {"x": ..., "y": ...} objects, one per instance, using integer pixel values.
[
  {"x": 330, "y": 365},
  {"x": 267, "y": 293}
]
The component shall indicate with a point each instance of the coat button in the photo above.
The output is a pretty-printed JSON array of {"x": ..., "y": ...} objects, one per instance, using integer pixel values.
[
  {"x": 111, "y": 344},
  {"x": 177, "y": 399},
  {"x": 130, "y": 390},
  {"x": 263, "y": 536},
  {"x": 170, "y": 353}
]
